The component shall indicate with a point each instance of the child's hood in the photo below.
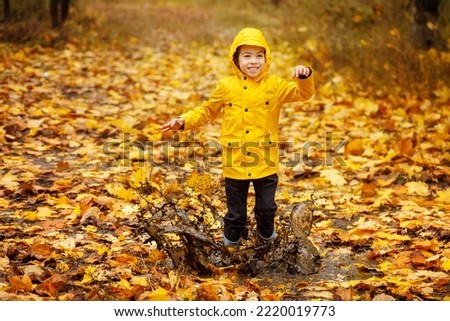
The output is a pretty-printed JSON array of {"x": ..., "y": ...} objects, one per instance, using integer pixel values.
[{"x": 251, "y": 37}]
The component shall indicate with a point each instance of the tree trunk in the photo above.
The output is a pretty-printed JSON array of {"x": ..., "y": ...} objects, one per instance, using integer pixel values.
[
  {"x": 59, "y": 12},
  {"x": 426, "y": 23},
  {"x": 6, "y": 9},
  {"x": 54, "y": 13},
  {"x": 65, "y": 10}
]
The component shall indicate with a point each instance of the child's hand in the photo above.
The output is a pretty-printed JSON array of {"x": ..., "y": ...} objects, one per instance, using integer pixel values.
[
  {"x": 301, "y": 72},
  {"x": 173, "y": 125}
]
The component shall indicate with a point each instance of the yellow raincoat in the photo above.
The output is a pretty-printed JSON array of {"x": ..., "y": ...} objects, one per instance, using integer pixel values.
[{"x": 251, "y": 110}]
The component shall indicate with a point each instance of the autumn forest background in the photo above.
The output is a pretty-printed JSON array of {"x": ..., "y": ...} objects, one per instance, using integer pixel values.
[{"x": 85, "y": 171}]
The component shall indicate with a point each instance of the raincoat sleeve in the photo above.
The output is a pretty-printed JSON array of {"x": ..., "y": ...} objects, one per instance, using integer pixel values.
[
  {"x": 296, "y": 90},
  {"x": 206, "y": 112}
]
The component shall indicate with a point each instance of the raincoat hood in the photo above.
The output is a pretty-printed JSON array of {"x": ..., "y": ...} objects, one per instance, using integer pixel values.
[{"x": 251, "y": 37}]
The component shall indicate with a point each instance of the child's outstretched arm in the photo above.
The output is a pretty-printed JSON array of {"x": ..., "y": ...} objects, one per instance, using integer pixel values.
[
  {"x": 173, "y": 125},
  {"x": 301, "y": 88},
  {"x": 204, "y": 113}
]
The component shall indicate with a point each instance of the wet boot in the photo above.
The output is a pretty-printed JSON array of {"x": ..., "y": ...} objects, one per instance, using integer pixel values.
[{"x": 266, "y": 227}]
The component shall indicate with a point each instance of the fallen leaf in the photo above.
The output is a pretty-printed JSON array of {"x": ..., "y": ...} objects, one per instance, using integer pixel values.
[
  {"x": 354, "y": 147},
  {"x": 406, "y": 146},
  {"x": 21, "y": 284},
  {"x": 383, "y": 297},
  {"x": 443, "y": 196},
  {"x": 418, "y": 188},
  {"x": 345, "y": 294},
  {"x": 160, "y": 294},
  {"x": 369, "y": 189},
  {"x": 333, "y": 176},
  {"x": 9, "y": 181}
]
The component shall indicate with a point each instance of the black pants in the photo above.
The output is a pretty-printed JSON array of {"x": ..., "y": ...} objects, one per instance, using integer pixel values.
[{"x": 265, "y": 206}]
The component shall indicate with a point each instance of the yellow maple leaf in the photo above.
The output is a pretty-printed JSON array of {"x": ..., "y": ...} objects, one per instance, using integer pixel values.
[
  {"x": 41, "y": 214},
  {"x": 118, "y": 190},
  {"x": 62, "y": 267},
  {"x": 9, "y": 181},
  {"x": 160, "y": 294},
  {"x": 443, "y": 196},
  {"x": 390, "y": 155},
  {"x": 122, "y": 124},
  {"x": 91, "y": 124},
  {"x": 103, "y": 249},
  {"x": 418, "y": 188},
  {"x": 124, "y": 284},
  {"x": 410, "y": 170},
  {"x": 366, "y": 105},
  {"x": 385, "y": 266},
  {"x": 333, "y": 176},
  {"x": 383, "y": 246},
  {"x": 392, "y": 236},
  {"x": 19, "y": 56},
  {"x": 188, "y": 294},
  {"x": 4, "y": 203},
  {"x": 88, "y": 276},
  {"x": 446, "y": 265},
  {"x": 384, "y": 197},
  {"x": 411, "y": 224},
  {"x": 140, "y": 176},
  {"x": 200, "y": 183},
  {"x": 90, "y": 228},
  {"x": 66, "y": 182}
]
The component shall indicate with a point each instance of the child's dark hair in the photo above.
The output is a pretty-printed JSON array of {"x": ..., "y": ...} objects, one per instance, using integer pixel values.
[{"x": 236, "y": 56}]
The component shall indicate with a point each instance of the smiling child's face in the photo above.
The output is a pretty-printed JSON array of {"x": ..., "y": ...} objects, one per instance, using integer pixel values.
[{"x": 252, "y": 60}]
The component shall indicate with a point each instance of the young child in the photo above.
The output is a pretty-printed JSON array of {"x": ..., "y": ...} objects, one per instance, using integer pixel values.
[{"x": 250, "y": 101}]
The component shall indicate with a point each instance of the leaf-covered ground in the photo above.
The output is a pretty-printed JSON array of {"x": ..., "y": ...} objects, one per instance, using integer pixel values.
[{"x": 83, "y": 165}]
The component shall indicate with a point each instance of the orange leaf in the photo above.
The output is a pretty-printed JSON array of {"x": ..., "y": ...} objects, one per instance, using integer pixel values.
[
  {"x": 62, "y": 166},
  {"x": 417, "y": 258},
  {"x": 368, "y": 189},
  {"x": 207, "y": 292},
  {"x": 354, "y": 147},
  {"x": 19, "y": 284},
  {"x": 52, "y": 285},
  {"x": 268, "y": 295},
  {"x": 156, "y": 255},
  {"x": 123, "y": 259},
  {"x": 406, "y": 147},
  {"x": 345, "y": 294},
  {"x": 41, "y": 250}
]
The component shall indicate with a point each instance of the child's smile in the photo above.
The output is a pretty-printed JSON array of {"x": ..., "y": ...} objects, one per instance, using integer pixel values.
[{"x": 252, "y": 60}]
